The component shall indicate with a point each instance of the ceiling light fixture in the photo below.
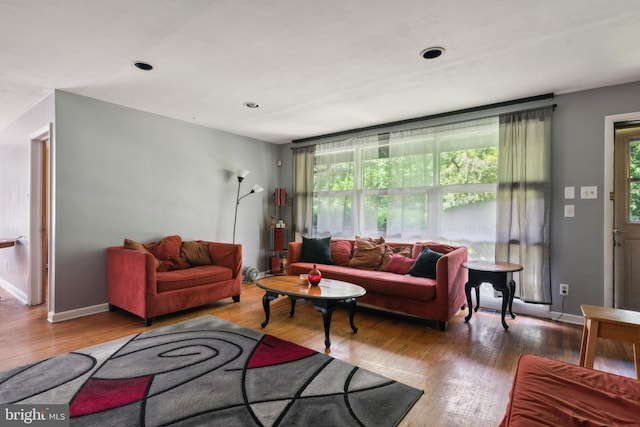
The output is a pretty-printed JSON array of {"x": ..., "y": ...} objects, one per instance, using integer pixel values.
[
  {"x": 432, "y": 52},
  {"x": 251, "y": 104},
  {"x": 144, "y": 66}
]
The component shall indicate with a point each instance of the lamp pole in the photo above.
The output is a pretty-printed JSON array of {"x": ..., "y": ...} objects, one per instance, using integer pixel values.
[
  {"x": 256, "y": 189},
  {"x": 235, "y": 218}
]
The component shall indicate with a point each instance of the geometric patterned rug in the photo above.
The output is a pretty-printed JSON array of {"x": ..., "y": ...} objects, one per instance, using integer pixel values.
[{"x": 208, "y": 371}]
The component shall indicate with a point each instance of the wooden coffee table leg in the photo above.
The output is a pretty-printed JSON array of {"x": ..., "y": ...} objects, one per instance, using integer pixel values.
[
  {"x": 326, "y": 308},
  {"x": 266, "y": 300},
  {"x": 293, "y": 306}
]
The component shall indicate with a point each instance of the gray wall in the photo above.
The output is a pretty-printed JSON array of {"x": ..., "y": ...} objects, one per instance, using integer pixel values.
[
  {"x": 577, "y": 244},
  {"x": 15, "y": 148},
  {"x": 119, "y": 172},
  {"x": 126, "y": 173}
]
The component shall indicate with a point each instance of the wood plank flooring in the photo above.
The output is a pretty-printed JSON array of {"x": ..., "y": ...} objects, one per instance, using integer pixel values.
[{"x": 465, "y": 373}]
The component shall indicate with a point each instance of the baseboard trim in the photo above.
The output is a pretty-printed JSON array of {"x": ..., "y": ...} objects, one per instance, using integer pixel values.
[
  {"x": 20, "y": 295},
  {"x": 567, "y": 318},
  {"x": 80, "y": 312}
]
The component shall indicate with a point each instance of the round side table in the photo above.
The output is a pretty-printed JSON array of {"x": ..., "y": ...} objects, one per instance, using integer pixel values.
[{"x": 497, "y": 273}]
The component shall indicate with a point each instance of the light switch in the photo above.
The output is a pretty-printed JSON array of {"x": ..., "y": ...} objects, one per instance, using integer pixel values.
[
  {"x": 569, "y": 211},
  {"x": 569, "y": 192},
  {"x": 589, "y": 192}
]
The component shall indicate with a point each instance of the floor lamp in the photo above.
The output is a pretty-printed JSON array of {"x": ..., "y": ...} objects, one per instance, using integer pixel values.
[{"x": 256, "y": 189}]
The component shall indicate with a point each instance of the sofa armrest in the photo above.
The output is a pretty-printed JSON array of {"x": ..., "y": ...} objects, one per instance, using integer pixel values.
[
  {"x": 294, "y": 251},
  {"x": 227, "y": 255},
  {"x": 131, "y": 275},
  {"x": 451, "y": 278}
]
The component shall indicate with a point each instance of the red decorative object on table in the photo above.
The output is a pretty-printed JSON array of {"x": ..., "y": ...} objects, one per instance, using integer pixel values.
[{"x": 314, "y": 276}]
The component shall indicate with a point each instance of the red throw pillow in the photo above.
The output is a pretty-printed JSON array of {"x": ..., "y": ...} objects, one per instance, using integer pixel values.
[
  {"x": 341, "y": 252},
  {"x": 173, "y": 263},
  {"x": 167, "y": 248},
  {"x": 399, "y": 264}
]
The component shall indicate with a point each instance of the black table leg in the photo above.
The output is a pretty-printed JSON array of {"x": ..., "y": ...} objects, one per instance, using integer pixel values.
[
  {"x": 467, "y": 292},
  {"x": 266, "y": 300},
  {"x": 293, "y": 306},
  {"x": 352, "y": 312},
  {"x": 512, "y": 288},
  {"x": 506, "y": 295},
  {"x": 326, "y": 308}
]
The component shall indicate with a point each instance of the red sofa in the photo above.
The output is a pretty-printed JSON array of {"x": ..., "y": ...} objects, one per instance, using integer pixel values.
[
  {"x": 137, "y": 283},
  {"x": 436, "y": 299},
  {"x": 552, "y": 393}
]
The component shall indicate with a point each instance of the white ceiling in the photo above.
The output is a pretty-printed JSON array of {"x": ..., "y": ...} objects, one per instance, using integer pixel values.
[{"x": 314, "y": 66}]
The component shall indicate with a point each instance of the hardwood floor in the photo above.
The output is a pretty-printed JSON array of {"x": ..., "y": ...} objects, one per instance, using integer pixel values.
[{"x": 465, "y": 373}]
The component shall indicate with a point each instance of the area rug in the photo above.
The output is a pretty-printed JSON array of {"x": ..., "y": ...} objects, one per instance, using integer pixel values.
[{"x": 207, "y": 371}]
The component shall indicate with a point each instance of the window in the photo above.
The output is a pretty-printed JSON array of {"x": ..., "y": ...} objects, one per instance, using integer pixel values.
[{"x": 436, "y": 183}]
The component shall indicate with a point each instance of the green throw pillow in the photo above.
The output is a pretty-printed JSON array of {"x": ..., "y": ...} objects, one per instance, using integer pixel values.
[
  {"x": 425, "y": 265},
  {"x": 316, "y": 250}
]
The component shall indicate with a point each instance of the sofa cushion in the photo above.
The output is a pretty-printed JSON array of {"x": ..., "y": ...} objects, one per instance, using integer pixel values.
[
  {"x": 316, "y": 250},
  {"x": 425, "y": 265},
  {"x": 190, "y": 277},
  {"x": 367, "y": 253},
  {"x": 341, "y": 252},
  {"x": 399, "y": 264},
  {"x": 196, "y": 253}
]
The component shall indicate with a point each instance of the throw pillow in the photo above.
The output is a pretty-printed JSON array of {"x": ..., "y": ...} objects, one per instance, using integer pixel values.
[
  {"x": 173, "y": 263},
  {"x": 196, "y": 253},
  {"x": 316, "y": 250},
  {"x": 399, "y": 264},
  {"x": 390, "y": 250},
  {"x": 367, "y": 253},
  {"x": 341, "y": 252},
  {"x": 137, "y": 246},
  {"x": 425, "y": 265},
  {"x": 169, "y": 247}
]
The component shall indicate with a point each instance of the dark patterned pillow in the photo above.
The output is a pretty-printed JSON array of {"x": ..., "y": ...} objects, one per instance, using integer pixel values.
[
  {"x": 316, "y": 250},
  {"x": 425, "y": 265}
]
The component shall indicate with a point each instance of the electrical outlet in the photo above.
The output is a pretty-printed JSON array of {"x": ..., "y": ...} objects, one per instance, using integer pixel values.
[{"x": 564, "y": 289}]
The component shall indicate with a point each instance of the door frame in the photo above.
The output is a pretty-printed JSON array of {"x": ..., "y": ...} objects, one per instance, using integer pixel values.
[
  {"x": 36, "y": 209},
  {"x": 609, "y": 141}
]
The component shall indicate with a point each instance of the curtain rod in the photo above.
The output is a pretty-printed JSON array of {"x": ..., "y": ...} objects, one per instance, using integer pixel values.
[{"x": 432, "y": 116}]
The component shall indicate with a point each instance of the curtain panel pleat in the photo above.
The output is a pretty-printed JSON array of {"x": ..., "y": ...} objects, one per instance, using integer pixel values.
[
  {"x": 303, "y": 159},
  {"x": 523, "y": 200}
]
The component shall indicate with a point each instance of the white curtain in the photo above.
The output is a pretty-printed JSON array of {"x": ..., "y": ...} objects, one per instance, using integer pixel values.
[
  {"x": 338, "y": 187},
  {"x": 524, "y": 195},
  {"x": 303, "y": 158},
  {"x": 433, "y": 173}
]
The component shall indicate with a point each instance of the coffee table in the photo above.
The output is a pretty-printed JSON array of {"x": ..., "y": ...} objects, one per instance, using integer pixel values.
[{"x": 324, "y": 297}]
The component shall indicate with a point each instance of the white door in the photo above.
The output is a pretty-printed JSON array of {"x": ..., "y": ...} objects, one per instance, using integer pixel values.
[{"x": 626, "y": 215}]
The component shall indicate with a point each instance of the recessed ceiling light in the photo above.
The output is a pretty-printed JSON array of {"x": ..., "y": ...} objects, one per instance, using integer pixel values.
[
  {"x": 144, "y": 66},
  {"x": 432, "y": 52},
  {"x": 251, "y": 105}
]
